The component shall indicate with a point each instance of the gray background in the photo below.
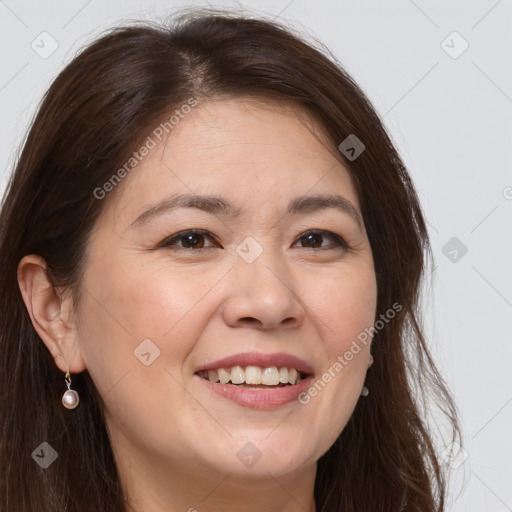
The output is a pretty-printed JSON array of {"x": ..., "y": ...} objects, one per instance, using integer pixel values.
[{"x": 449, "y": 112}]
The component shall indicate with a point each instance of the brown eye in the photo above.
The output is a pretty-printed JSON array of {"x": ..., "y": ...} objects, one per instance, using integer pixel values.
[
  {"x": 190, "y": 239},
  {"x": 315, "y": 240}
]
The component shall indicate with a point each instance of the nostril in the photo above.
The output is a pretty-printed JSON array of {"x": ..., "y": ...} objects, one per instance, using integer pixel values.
[{"x": 250, "y": 320}]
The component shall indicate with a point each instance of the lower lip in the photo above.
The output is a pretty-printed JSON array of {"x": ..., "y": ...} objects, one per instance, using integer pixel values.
[{"x": 258, "y": 398}]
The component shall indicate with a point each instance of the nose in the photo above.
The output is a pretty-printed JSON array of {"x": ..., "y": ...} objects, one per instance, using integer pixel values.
[{"x": 262, "y": 295}]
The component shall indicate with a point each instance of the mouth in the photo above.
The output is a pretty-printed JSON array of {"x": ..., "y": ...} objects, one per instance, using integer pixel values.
[
  {"x": 259, "y": 381},
  {"x": 254, "y": 377}
]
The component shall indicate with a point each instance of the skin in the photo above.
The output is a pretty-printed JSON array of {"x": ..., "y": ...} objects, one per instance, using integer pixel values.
[{"x": 175, "y": 442}]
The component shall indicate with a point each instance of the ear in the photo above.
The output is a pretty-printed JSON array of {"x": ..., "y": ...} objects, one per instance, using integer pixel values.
[{"x": 51, "y": 314}]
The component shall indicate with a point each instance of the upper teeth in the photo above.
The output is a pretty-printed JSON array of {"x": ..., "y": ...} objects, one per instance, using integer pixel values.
[{"x": 269, "y": 376}]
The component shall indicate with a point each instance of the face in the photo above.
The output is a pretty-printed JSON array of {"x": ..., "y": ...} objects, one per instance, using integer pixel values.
[{"x": 265, "y": 275}]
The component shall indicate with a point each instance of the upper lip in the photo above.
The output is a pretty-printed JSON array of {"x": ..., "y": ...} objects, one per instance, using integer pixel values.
[{"x": 279, "y": 359}]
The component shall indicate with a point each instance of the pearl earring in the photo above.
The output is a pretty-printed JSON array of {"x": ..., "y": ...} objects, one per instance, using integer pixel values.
[
  {"x": 365, "y": 391},
  {"x": 70, "y": 398}
]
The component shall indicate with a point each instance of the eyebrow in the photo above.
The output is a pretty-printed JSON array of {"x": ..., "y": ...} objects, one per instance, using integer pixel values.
[{"x": 218, "y": 206}]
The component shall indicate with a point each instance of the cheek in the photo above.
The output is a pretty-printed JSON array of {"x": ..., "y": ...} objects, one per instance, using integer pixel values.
[
  {"x": 146, "y": 301},
  {"x": 125, "y": 305},
  {"x": 345, "y": 306},
  {"x": 344, "y": 309}
]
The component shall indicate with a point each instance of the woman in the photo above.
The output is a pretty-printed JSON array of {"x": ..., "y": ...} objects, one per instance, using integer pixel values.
[{"x": 211, "y": 258}]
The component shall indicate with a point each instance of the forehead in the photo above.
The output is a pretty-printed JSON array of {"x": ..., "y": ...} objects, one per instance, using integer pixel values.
[{"x": 248, "y": 150}]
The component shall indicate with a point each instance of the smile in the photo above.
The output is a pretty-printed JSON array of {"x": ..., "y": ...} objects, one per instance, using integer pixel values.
[{"x": 254, "y": 377}]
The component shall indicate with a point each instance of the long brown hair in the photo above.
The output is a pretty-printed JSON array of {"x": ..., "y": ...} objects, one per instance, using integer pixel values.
[{"x": 96, "y": 112}]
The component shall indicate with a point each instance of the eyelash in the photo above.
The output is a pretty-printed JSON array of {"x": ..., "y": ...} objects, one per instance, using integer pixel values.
[{"x": 168, "y": 242}]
